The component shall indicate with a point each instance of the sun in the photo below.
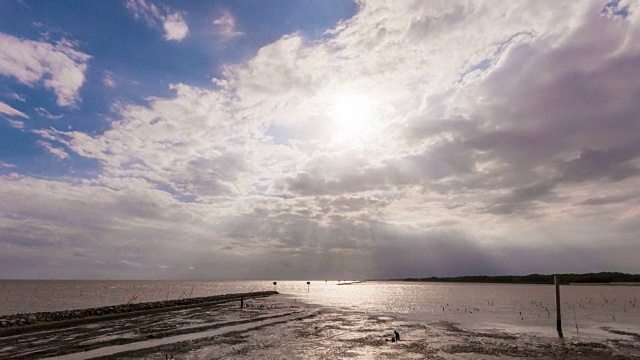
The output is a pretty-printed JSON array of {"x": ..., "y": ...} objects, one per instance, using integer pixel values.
[{"x": 351, "y": 114}]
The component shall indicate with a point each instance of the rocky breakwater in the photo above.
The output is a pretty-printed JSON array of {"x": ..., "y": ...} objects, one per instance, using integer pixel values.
[{"x": 17, "y": 320}]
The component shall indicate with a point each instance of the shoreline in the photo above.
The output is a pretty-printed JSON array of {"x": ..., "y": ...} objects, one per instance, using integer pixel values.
[{"x": 513, "y": 283}]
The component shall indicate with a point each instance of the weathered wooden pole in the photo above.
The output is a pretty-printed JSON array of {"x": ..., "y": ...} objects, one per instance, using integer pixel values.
[
  {"x": 556, "y": 279},
  {"x": 241, "y": 302},
  {"x": 274, "y": 285},
  {"x": 308, "y": 283}
]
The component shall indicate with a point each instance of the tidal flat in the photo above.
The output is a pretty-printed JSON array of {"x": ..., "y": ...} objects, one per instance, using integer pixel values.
[{"x": 281, "y": 327}]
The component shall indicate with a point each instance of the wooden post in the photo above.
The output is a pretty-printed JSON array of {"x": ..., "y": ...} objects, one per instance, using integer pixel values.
[
  {"x": 556, "y": 279},
  {"x": 308, "y": 283},
  {"x": 241, "y": 302},
  {"x": 274, "y": 285}
]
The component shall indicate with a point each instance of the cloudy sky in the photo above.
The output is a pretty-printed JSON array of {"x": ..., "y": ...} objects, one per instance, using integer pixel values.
[{"x": 318, "y": 139}]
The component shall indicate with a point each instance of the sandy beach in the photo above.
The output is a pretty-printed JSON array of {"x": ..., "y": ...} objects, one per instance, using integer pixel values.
[{"x": 278, "y": 327}]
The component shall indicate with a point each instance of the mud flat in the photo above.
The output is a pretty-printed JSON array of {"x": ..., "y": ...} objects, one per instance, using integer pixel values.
[{"x": 278, "y": 327}]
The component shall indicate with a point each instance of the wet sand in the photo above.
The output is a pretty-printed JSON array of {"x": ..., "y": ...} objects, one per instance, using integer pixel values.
[{"x": 280, "y": 328}]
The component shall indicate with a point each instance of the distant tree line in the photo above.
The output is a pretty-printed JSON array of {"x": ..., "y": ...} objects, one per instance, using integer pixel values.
[{"x": 601, "y": 277}]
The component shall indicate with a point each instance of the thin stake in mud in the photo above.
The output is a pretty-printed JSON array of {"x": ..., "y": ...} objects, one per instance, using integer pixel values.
[
  {"x": 556, "y": 279},
  {"x": 575, "y": 319}
]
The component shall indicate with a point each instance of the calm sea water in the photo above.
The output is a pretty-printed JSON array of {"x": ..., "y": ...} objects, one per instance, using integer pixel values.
[{"x": 471, "y": 304}]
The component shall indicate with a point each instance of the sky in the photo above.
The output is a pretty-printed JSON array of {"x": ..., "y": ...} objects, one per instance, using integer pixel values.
[{"x": 326, "y": 139}]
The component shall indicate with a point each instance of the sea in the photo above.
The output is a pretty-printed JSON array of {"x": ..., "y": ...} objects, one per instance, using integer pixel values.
[{"x": 513, "y": 307}]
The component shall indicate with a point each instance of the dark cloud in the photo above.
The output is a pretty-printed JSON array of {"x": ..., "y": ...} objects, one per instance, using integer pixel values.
[
  {"x": 613, "y": 164},
  {"x": 24, "y": 241},
  {"x": 523, "y": 200},
  {"x": 432, "y": 164}
]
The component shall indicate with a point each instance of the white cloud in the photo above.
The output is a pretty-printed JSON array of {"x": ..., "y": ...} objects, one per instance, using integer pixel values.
[
  {"x": 46, "y": 114},
  {"x": 175, "y": 28},
  {"x": 8, "y": 110},
  {"x": 173, "y": 23},
  {"x": 16, "y": 96},
  {"x": 16, "y": 124},
  {"x": 225, "y": 26},
  {"x": 130, "y": 263},
  {"x": 4, "y": 165},
  {"x": 55, "y": 151},
  {"x": 109, "y": 80},
  {"x": 59, "y": 66},
  {"x": 147, "y": 12}
]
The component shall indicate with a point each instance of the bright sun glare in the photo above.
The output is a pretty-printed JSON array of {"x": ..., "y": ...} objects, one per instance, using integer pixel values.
[{"x": 352, "y": 116}]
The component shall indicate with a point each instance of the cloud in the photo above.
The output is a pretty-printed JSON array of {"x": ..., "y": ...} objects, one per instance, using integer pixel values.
[
  {"x": 490, "y": 131},
  {"x": 109, "y": 80},
  {"x": 130, "y": 263},
  {"x": 611, "y": 199},
  {"x": 58, "y": 65},
  {"x": 108, "y": 226},
  {"x": 173, "y": 23},
  {"x": 225, "y": 26},
  {"x": 8, "y": 110},
  {"x": 46, "y": 114},
  {"x": 16, "y": 96},
  {"x": 55, "y": 151},
  {"x": 16, "y": 124},
  {"x": 175, "y": 28}
]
